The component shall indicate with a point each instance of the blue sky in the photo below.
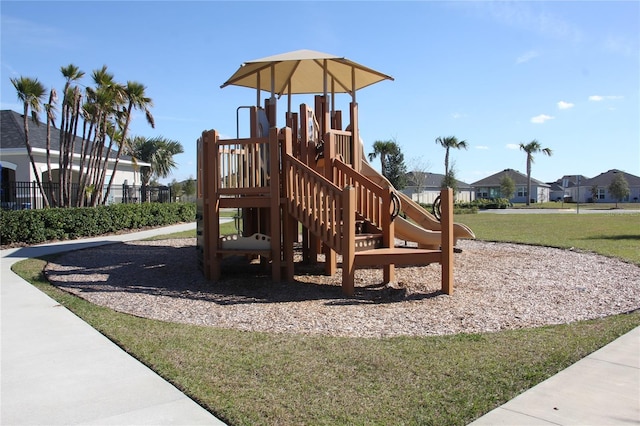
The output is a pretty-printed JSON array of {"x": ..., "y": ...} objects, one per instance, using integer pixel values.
[{"x": 492, "y": 73}]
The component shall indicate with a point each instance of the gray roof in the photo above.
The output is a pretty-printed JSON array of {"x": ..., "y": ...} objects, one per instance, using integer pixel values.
[
  {"x": 431, "y": 180},
  {"x": 12, "y": 134},
  {"x": 604, "y": 179},
  {"x": 572, "y": 180},
  {"x": 518, "y": 179}
]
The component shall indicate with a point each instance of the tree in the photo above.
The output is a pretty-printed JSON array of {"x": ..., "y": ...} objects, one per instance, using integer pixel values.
[
  {"x": 507, "y": 187},
  {"x": 447, "y": 143},
  {"x": 189, "y": 187},
  {"x": 50, "y": 111},
  {"x": 31, "y": 92},
  {"x": 449, "y": 181},
  {"x": 619, "y": 187},
  {"x": 419, "y": 169},
  {"x": 382, "y": 149},
  {"x": 69, "y": 121},
  {"x": 396, "y": 170},
  {"x": 594, "y": 193},
  {"x": 531, "y": 148},
  {"x": 158, "y": 152},
  {"x": 177, "y": 190},
  {"x": 391, "y": 162},
  {"x": 136, "y": 98}
]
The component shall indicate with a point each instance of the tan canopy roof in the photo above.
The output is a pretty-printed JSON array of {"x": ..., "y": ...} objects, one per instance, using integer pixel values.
[{"x": 305, "y": 72}]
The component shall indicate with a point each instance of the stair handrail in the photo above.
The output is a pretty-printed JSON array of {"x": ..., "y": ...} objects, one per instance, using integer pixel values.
[
  {"x": 371, "y": 198},
  {"x": 314, "y": 201}
]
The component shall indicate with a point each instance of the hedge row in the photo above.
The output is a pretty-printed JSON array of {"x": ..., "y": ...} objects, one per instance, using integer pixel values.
[{"x": 37, "y": 226}]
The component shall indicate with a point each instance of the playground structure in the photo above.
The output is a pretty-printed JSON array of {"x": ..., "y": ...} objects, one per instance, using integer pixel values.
[{"x": 312, "y": 175}]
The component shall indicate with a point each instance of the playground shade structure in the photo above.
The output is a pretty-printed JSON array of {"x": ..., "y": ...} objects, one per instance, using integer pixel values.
[
  {"x": 305, "y": 72},
  {"x": 312, "y": 174}
]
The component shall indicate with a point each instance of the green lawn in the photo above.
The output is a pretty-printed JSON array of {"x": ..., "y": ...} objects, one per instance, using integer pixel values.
[
  {"x": 611, "y": 234},
  {"x": 250, "y": 378}
]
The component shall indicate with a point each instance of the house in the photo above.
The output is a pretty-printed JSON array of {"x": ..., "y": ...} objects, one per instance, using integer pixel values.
[
  {"x": 425, "y": 187},
  {"x": 18, "y": 173},
  {"x": 578, "y": 188},
  {"x": 566, "y": 188},
  {"x": 596, "y": 189},
  {"x": 489, "y": 187}
]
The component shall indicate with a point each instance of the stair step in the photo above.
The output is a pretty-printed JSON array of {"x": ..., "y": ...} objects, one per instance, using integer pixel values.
[{"x": 397, "y": 256}]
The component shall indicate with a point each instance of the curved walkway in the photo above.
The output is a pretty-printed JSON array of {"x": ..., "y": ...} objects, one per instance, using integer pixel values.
[{"x": 56, "y": 369}]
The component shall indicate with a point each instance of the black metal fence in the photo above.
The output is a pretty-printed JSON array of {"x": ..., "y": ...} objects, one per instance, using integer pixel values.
[{"x": 26, "y": 195}]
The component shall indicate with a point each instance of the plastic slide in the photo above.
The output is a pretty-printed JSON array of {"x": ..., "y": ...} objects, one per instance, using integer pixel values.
[{"x": 423, "y": 228}]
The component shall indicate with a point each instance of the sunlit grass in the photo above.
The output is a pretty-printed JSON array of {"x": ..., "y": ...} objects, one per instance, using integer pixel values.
[{"x": 616, "y": 235}]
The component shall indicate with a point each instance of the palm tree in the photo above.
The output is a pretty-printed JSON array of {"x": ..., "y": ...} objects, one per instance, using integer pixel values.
[
  {"x": 105, "y": 101},
  {"x": 158, "y": 152},
  {"x": 447, "y": 143},
  {"x": 134, "y": 93},
  {"x": 31, "y": 92},
  {"x": 532, "y": 148},
  {"x": 384, "y": 149},
  {"x": 50, "y": 110},
  {"x": 69, "y": 121}
]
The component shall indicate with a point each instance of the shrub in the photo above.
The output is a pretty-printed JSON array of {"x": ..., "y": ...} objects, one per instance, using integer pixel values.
[
  {"x": 493, "y": 203},
  {"x": 37, "y": 226}
]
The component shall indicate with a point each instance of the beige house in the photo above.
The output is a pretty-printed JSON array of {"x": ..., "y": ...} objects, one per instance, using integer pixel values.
[{"x": 18, "y": 174}]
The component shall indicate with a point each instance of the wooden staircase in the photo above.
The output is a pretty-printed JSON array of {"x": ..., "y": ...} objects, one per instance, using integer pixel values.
[{"x": 334, "y": 211}]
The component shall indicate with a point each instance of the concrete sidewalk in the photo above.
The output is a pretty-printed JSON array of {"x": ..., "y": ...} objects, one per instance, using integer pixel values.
[
  {"x": 601, "y": 389},
  {"x": 56, "y": 369}
]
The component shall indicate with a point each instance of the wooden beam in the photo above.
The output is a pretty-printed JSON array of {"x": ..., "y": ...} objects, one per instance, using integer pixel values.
[
  {"x": 446, "y": 245},
  {"x": 349, "y": 243}
]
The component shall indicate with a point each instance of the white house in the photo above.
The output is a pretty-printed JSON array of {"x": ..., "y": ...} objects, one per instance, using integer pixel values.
[
  {"x": 424, "y": 187},
  {"x": 17, "y": 169}
]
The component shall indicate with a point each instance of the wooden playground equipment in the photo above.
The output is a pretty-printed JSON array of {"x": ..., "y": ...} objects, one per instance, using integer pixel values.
[{"x": 310, "y": 175}]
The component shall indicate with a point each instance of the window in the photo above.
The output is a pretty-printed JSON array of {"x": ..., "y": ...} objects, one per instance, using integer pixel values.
[
  {"x": 600, "y": 194},
  {"x": 521, "y": 191}
]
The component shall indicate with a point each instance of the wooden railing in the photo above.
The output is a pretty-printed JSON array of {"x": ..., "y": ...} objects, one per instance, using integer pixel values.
[
  {"x": 315, "y": 201},
  {"x": 243, "y": 166},
  {"x": 342, "y": 145},
  {"x": 373, "y": 202}
]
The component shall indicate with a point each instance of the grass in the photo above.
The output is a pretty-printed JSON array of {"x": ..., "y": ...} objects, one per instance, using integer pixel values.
[
  {"x": 582, "y": 206},
  {"x": 615, "y": 235},
  {"x": 262, "y": 379}
]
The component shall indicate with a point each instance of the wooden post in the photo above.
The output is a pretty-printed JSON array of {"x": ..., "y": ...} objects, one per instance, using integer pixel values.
[
  {"x": 331, "y": 261},
  {"x": 356, "y": 153},
  {"x": 275, "y": 219},
  {"x": 388, "y": 238},
  {"x": 289, "y": 224},
  {"x": 211, "y": 207},
  {"x": 348, "y": 240},
  {"x": 446, "y": 245}
]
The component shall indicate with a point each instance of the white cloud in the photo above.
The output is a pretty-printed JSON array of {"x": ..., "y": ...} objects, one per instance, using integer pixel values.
[
  {"x": 512, "y": 146},
  {"x": 565, "y": 105},
  {"x": 527, "y": 56},
  {"x": 620, "y": 45},
  {"x": 529, "y": 16},
  {"x": 598, "y": 98},
  {"x": 483, "y": 147},
  {"x": 539, "y": 119}
]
